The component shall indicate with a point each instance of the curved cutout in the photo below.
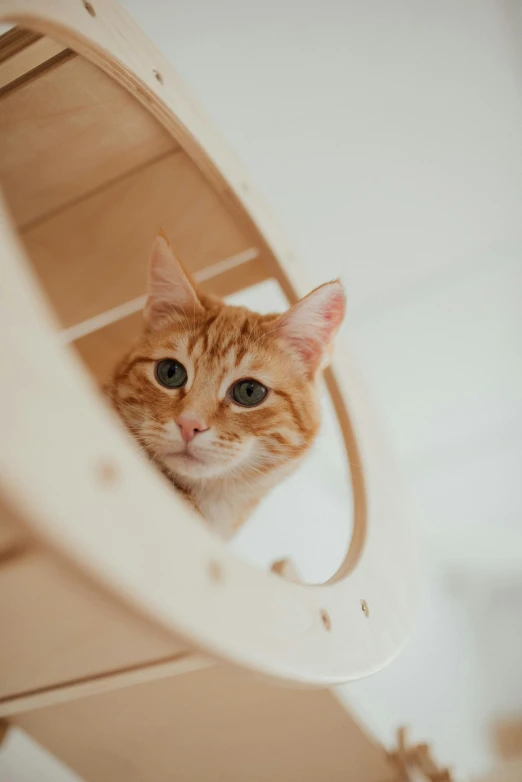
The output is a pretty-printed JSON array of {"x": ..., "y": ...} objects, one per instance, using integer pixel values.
[
  {"x": 280, "y": 631},
  {"x": 89, "y": 174}
]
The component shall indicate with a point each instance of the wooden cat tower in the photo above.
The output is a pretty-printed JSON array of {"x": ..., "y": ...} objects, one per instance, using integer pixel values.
[{"x": 135, "y": 645}]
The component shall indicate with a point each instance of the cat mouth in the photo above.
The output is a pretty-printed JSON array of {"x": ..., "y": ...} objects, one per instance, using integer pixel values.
[{"x": 185, "y": 456}]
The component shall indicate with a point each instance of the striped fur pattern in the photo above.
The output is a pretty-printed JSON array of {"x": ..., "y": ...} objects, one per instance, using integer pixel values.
[{"x": 239, "y": 452}]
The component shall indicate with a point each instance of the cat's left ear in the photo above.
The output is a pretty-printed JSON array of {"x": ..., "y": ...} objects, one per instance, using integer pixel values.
[
  {"x": 170, "y": 289},
  {"x": 310, "y": 326}
]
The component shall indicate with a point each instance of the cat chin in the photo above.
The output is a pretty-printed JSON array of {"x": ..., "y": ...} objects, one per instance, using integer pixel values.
[
  {"x": 187, "y": 466},
  {"x": 193, "y": 467}
]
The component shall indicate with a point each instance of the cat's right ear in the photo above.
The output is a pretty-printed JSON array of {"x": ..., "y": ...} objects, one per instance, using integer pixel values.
[{"x": 170, "y": 289}]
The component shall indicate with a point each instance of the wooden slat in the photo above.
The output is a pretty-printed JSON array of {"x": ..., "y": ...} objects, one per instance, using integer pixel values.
[
  {"x": 102, "y": 349},
  {"x": 114, "y": 680},
  {"x": 93, "y": 256},
  {"x": 61, "y": 630},
  {"x": 71, "y": 130},
  {"x": 210, "y": 725},
  {"x": 237, "y": 279},
  {"x": 30, "y": 62},
  {"x": 14, "y": 40}
]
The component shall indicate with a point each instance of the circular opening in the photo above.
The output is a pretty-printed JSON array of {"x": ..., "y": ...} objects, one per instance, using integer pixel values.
[{"x": 87, "y": 217}]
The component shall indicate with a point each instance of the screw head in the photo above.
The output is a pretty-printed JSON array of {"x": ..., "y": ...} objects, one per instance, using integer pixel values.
[
  {"x": 325, "y": 618},
  {"x": 89, "y": 7}
]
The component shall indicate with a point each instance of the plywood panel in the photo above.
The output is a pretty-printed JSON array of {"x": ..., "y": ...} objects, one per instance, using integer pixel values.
[
  {"x": 69, "y": 131},
  {"x": 102, "y": 349},
  {"x": 93, "y": 256},
  {"x": 213, "y": 724},
  {"x": 57, "y": 629}
]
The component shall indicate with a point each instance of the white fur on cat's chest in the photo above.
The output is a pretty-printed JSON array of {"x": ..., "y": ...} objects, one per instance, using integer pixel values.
[{"x": 227, "y": 504}]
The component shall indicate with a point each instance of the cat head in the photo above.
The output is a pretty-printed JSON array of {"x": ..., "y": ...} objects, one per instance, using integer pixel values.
[{"x": 212, "y": 390}]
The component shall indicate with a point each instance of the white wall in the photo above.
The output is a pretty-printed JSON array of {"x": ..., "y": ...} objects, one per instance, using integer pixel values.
[{"x": 384, "y": 134}]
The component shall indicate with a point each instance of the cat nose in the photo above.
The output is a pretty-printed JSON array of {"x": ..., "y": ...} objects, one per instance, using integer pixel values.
[{"x": 190, "y": 426}]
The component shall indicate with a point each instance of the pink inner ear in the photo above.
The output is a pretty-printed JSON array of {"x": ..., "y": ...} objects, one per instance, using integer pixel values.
[
  {"x": 334, "y": 314},
  {"x": 309, "y": 351},
  {"x": 310, "y": 326}
]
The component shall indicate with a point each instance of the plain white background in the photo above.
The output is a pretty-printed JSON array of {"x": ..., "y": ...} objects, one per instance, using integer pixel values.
[{"x": 387, "y": 138}]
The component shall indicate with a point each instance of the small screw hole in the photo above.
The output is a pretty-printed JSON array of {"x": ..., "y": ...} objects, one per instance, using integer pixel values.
[
  {"x": 89, "y": 7},
  {"x": 365, "y": 609},
  {"x": 215, "y": 571},
  {"x": 157, "y": 76},
  {"x": 325, "y": 618},
  {"x": 107, "y": 472}
]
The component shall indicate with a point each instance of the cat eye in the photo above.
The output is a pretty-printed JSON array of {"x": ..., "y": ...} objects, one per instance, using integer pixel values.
[
  {"x": 170, "y": 373},
  {"x": 249, "y": 393}
]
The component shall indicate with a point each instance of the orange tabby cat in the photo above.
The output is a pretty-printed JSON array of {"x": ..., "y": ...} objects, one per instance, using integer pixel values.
[{"x": 223, "y": 400}]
